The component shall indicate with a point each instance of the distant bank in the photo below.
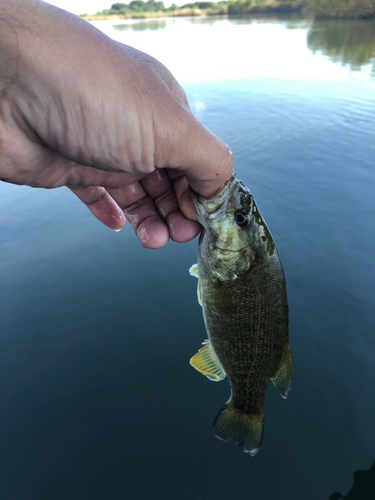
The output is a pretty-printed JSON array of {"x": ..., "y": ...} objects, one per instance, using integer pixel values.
[{"x": 339, "y": 9}]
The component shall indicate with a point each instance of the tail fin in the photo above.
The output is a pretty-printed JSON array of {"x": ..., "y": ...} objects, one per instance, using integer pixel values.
[{"x": 234, "y": 425}]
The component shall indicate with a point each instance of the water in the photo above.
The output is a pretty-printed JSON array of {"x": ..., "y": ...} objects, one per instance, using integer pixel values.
[{"x": 98, "y": 400}]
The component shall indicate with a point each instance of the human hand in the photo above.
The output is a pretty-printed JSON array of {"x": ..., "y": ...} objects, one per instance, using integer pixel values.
[{"x": 80, "y": 110}]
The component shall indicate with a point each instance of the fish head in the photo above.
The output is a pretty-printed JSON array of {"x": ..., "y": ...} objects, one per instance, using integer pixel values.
[{"x": 230, "y": 227}]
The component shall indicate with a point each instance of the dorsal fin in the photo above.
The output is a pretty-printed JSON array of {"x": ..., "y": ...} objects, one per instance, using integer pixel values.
[
  {"x": 284, "y": 375},
  {"x": 206, "y": 362}
]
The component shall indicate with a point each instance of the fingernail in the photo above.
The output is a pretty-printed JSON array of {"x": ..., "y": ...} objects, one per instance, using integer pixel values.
[
  {"x": 142, "y": 235},
  {"x": 117, "y": 230}
]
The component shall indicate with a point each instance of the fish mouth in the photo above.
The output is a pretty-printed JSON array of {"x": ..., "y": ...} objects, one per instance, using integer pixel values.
[{"x": 212, "y": 205}]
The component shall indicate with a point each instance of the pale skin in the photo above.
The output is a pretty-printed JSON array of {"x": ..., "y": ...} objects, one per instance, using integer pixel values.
[{"x": 111, "y": 123}]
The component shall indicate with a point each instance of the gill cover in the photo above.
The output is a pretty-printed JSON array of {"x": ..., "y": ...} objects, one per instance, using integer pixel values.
[{"x": 225, "y": 243}]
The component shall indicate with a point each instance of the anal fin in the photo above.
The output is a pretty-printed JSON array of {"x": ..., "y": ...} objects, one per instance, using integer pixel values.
[
  {"x": 284, "y": 375},
  {"x": 207, "y": 363}
]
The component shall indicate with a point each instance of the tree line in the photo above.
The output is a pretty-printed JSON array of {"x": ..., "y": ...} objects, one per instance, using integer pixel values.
[{"x": 364, "y": 9}]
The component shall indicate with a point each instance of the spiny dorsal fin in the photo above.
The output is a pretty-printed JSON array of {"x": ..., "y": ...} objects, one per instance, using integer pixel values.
[
  {"x": 234, "y": 425},
  {"x": 195, "y": 272},
  {"x": 206, "y": 362},
  {"x": 284, "y": 375}
]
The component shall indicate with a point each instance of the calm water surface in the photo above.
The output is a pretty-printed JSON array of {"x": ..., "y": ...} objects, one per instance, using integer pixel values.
[{"x": 98, "y": 400}]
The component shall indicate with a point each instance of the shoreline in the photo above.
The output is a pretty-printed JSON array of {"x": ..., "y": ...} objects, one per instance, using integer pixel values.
[
  {"x": 221, "y": 10},
  {"x": 236, "y": 8}
]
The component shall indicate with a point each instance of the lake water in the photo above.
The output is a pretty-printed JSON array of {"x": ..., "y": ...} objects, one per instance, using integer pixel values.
[{"x": 98, "y": 400}]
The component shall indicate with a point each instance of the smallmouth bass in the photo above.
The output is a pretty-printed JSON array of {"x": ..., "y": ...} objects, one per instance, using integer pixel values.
[{"x": 242, "y": 291}]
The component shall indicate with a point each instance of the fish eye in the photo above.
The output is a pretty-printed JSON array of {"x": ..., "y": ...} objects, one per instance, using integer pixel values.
[{"x": 242, "y": 218}]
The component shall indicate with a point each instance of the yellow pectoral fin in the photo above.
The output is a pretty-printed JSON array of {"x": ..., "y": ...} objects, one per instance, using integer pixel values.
[
  {"x": 206, "y": 362},
  {"x": 283, "y": 377},
  {"x": 193, "y": 271}
]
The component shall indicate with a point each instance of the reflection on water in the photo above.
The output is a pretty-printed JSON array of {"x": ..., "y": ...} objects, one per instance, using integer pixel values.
[
  {"x": 221, "y": 47},
  {"x": 150, "y": 24},
  {"x": 347, "y": 42},
  {"x": 363, "y": 488},
  {"x": 204, "y": 20}
]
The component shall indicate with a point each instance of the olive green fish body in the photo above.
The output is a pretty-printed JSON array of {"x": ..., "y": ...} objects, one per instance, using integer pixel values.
[
  {"x": 242, "y": 291},
  {"x": 247, "y": 322}
]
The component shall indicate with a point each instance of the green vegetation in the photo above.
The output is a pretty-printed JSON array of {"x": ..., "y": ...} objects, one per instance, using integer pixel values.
[
  {"x": 350, "y": 9},
  {"x": 351, "y": 43},
  {"x": 262, "y": 6},
  {"x": 135, "y": 6},
  {"x": 343, "y": 9}
]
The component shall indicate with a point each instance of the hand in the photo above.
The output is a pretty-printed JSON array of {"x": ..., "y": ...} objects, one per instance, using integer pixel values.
[{"x": 80, "y": 110}]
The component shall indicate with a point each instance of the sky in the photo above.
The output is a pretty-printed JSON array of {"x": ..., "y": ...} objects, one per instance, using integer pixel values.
[{"x": 93, "y": 6}]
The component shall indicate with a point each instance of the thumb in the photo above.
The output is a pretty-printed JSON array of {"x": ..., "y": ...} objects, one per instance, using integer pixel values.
[{"x": 204, "y": 159}]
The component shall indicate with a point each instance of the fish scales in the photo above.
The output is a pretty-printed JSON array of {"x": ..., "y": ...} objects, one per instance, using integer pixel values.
[
  {"x": 243, "y": 295},
  {"x": 237, "y": 332}
]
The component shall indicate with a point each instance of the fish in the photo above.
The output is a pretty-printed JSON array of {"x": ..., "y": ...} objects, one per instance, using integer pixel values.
[{"x": 242, "y": 291}]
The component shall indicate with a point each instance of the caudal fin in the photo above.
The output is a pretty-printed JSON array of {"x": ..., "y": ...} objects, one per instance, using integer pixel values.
[{"x": 234, "y": 425}]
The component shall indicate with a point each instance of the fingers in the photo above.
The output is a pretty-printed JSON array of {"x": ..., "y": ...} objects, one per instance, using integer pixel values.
[
  {"x": 101, "y": 205},
  {"x": 157, "y": 207},
  {"x": 152, "y": 208},
  {"x": 142, "y": 214},
  {"x": 138, "y": 208},
  {"x": 150, "y": 228},
  {"x": 170, "y": 199},
  {"x": 181, "y": 188}
]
